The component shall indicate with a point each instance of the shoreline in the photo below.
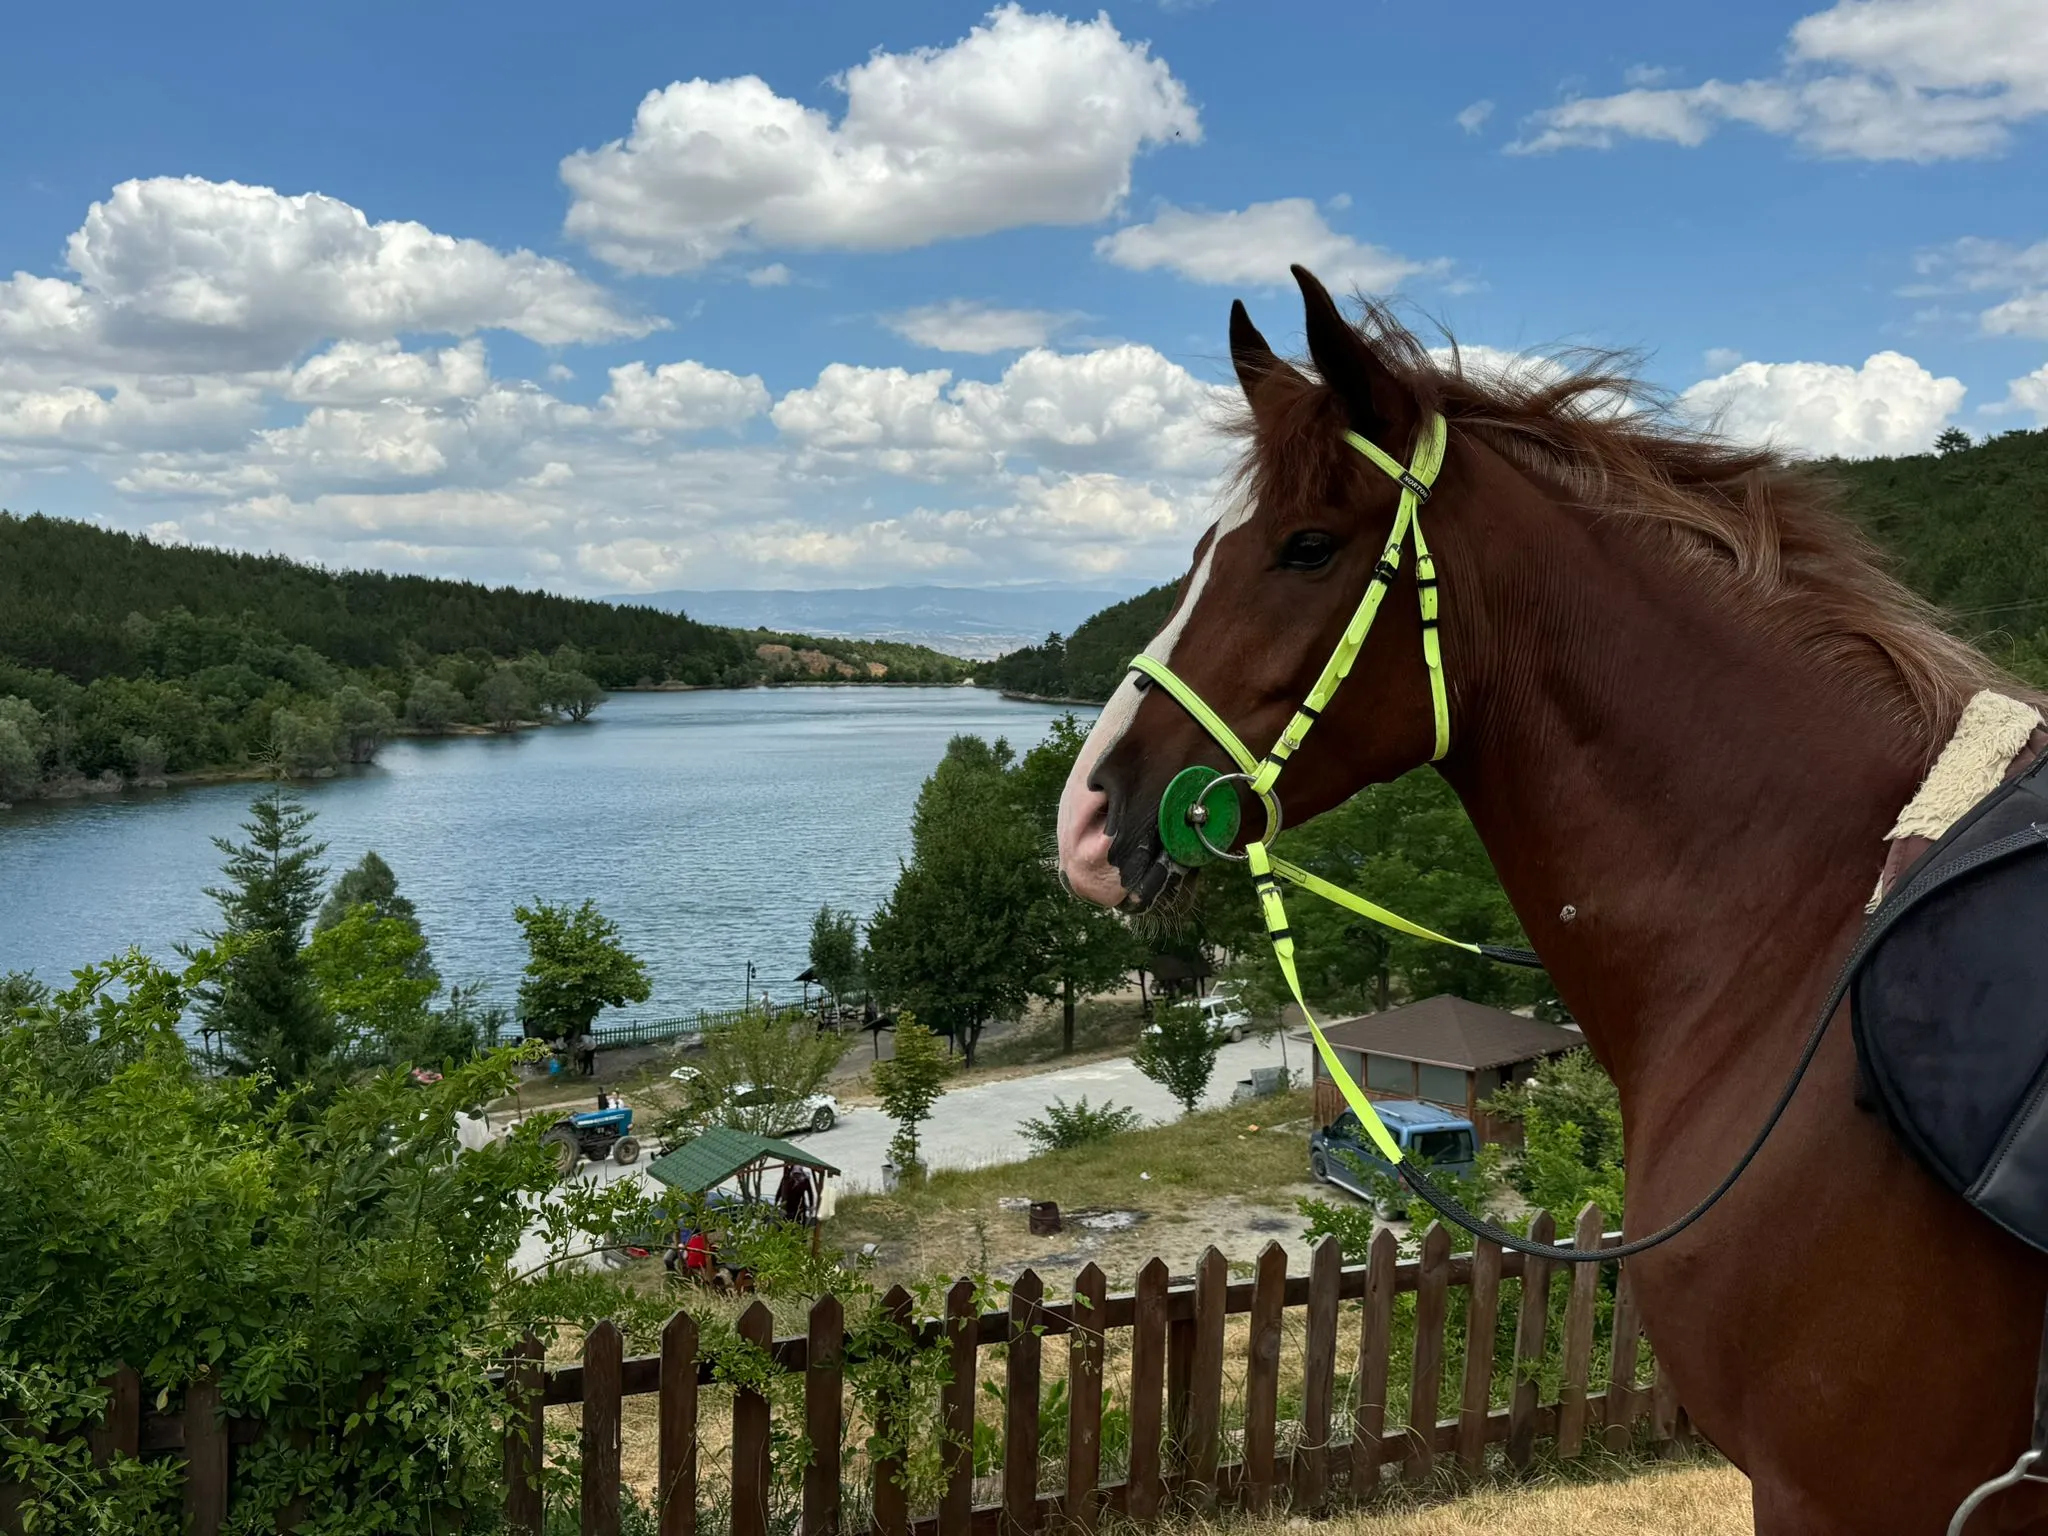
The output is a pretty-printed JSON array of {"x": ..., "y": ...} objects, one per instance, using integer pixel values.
[
  {"x": 76, "y": 791},
  {"x": 1048, "y": 698}
]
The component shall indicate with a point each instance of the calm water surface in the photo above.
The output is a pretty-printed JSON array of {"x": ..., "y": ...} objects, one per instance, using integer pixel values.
[{"x": 709, "y": 826}]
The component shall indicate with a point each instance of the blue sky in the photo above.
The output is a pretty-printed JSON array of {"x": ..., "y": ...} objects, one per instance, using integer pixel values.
[{"x": 809, "y": 295}]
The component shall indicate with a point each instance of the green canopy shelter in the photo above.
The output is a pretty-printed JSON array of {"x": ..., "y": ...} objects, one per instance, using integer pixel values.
[{"x": 704, "y": 1162}]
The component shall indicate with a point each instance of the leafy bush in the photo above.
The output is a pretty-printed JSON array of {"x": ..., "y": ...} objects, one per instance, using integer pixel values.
[
  {"x": 344, "y": 1276},
  {"x": 1065, "y": 1125},
  {"x": 1572, "y": 1150}
]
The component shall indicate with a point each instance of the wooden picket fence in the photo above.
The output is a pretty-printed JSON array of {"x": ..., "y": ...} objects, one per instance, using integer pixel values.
[{"x": 1347, "y": 1439}]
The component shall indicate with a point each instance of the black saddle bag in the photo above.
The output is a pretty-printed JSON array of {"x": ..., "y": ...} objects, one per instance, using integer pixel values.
[{"x": 1950, "y": 1006}]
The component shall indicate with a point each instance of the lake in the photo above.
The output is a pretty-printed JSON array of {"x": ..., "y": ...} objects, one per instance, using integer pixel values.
[{"x": 709, "y": 826}]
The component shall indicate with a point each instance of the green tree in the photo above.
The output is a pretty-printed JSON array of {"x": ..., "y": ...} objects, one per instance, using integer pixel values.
[
  {"x": 575, "y": 968},
  {"x": 752, "y": 1070},
  {"x": 956, "y": 940},
  {"x": 909, "y": 1084},
  {"x": 1080, "y": 947},
  {"x": 368, "y": 971},
  {"x": 1951, "y": 440},
  {"x": 372, "y": 883},
  {"x": 1179, "y": 1053},
  {"x": 262, "y": 999},
  {"x": 21, "y": 748},
  {"x": 20, "y": 993},
  {"x": 434, "y": 705},
  {"x": 305, "y": 740},
  {"x": 503, "y": 698},
  {"x": 365, "y": 722},
  {"x": 835, "y": 951},
  {"x": 571, "y": 693}
]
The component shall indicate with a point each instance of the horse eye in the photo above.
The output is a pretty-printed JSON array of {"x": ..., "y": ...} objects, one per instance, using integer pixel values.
[{"x": 1308, "y": 551}]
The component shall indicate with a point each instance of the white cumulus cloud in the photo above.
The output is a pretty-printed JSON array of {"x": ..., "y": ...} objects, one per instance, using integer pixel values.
[
  {"x": 1122, "y": 408},
  {"x": 683, "y": 397},
  {"x": 1890, "y": 405},
  {"x": 962, "y": 325},
  {"x": 180, "y": 273},
  {"x": 2028, "y": 393},
  {"x": 1029, "y": 119},
  {"x": 1256, "y": 245},
  {"x": 363, "y": 373},
  {"x": 1918, "y": 80}
]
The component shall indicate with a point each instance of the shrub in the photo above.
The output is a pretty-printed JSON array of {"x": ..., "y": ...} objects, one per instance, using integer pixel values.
[
  {"x": 185, "y": 1226},
  {"x": 1064, "y": 1126}
]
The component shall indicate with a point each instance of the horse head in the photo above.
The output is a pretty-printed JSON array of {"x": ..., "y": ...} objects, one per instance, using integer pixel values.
[{"x": 1274, "y": 582}]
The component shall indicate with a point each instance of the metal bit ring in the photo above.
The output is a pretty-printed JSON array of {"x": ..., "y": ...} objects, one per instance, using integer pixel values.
[{"x": 1269, "y": 801}]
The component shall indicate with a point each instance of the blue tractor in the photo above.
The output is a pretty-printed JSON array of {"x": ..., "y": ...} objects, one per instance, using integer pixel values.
[{"x": 596, "y": 1134}]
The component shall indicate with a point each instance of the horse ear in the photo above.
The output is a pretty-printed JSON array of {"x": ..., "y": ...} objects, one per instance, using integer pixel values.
[
  {"x": 1376, "y": 399},
  {"x": 1254, "y": 360}
]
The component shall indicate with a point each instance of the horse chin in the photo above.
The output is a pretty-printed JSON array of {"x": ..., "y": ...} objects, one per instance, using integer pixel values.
[{"x": 1156, "y": 885}]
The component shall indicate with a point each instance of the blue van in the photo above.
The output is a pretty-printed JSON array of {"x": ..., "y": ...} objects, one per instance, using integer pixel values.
[{"x": 1438, "y": 1137}]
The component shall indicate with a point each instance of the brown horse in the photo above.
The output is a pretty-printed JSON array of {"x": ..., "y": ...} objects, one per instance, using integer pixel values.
[{"x": 1686, "y": 704}]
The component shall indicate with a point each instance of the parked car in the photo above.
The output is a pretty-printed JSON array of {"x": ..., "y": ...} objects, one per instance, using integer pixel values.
[
  {"x": 1225, "y": 1016},
  {"x": 787, "y": 1115},
  {"x": 1341, "y": 1153}
]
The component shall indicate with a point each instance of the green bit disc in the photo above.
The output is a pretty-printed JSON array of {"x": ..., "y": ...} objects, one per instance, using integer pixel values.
[{"x": 1182, "y": 808}]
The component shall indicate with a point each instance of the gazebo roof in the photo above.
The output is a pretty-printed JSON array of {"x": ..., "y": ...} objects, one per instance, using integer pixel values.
[
  {"x": 707, "y": 1161},
  {"x": 1448, "y": 1031}
]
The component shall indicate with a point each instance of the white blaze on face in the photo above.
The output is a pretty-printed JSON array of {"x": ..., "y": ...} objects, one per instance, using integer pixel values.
[{"x": 1084, "y": 811}]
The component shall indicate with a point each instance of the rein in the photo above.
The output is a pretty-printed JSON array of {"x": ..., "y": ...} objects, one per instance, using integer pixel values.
[{"x": 1186, "y": 821}]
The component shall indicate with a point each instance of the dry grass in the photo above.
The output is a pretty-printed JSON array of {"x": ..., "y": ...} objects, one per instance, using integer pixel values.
[
  {"x": 1228, "y": 1176},
  {"x": 1689, "y": 1501}
]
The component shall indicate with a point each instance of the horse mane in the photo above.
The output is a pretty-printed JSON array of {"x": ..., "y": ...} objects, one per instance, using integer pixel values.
[{"x": 1762, "y": 528}]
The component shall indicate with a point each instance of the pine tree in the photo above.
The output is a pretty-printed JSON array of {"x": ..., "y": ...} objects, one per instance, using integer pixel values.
[{"x": 263, "y": 1004}]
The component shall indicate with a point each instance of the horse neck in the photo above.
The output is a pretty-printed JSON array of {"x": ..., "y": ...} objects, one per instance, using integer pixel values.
[{"x": 1708, "y": 802}]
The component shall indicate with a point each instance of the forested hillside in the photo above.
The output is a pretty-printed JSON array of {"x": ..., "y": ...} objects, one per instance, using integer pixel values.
[
  {"x": 123, "y": 657},
  {"x": 1968, "y": 528},
  {"x": 1089, "y": 663}
]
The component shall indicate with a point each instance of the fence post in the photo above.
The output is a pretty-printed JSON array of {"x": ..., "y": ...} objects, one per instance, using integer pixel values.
[
  {"x": 1482, "y": 1310},
  {"x": 750, "y": 1480},
  {"x": 956, "y": 1400},
  {"x": 1319, "y": 1374},
  {"x": 1020, "y": 1428},
  {"x": 1084, "y": 1397},
  {"x": 119, "y": 1431},
  {"x": 603, "y": 1358},
  {"x": 525, "y": 1439},
  {"x": 1578, "y": 1337},
  {"x": 1621, "y": 1354},
  {"x": 206, "y": 1459},
  {"x": 1205, "y": 1376},
  {"x": 1262, "y": 1377},
  {"x": 1375, "y": 1365},
  {"x": 1148, "y": 1380},
  {"x": 824, "y": 1409},
  {"x": 676, "y": 1498},
  {"x": 1532, "y": 1323},
  {"x": 1426, "y": 1374},
  {"x": 891, "y": 1498}
]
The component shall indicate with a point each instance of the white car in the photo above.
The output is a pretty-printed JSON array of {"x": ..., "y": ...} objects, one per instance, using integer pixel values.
[
  {"x": 1225, "y": 1016},
  {"x": 815, "y": 1112}
]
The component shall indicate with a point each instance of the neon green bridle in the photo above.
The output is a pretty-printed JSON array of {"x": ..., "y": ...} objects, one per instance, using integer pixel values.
[{"x": 1262, "y": 775}]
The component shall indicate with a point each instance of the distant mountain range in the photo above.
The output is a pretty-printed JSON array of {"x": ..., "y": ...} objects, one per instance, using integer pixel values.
[{"x": 976, "y": 622}]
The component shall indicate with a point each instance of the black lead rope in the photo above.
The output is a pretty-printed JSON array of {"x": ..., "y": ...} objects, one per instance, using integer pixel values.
[{"x": 1880, "y": 923}]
